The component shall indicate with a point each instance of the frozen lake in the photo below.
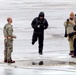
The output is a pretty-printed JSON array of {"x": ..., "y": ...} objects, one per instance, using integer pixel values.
[{"x": 55, "y": 45}]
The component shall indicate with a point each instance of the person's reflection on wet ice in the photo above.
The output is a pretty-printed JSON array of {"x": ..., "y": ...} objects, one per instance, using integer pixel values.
[{"x": 40, "y": 63}]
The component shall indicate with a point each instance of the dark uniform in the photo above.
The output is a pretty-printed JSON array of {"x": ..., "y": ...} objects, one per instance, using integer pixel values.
[{"x": 39, "y": 25}]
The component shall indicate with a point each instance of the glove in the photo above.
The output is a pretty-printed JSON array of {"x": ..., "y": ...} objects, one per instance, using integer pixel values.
[{"x": 38, "y": 26}]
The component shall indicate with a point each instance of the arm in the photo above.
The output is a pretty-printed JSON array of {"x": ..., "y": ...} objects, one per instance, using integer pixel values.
[
  {"x": 34, "y": 24},
  {"x": 46, "y": 24},
  {"x": 4, "y": 31},
  {"x": 72, "y": 22},
  {"x": 10, "y": 33},
  {"x": 65, "y": 25}
]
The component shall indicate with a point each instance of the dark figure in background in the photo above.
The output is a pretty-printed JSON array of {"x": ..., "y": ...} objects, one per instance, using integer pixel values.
[{"x": 39, "y": 24}]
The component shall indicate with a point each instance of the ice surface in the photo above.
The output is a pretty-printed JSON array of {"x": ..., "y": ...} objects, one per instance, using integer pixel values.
[{"x": 55, "y": 57}]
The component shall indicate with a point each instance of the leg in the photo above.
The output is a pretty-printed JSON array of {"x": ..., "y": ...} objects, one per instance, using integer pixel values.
[
  {"x": 74, "y": 56},
  {"x": 71, "y": 45},
  {"x": 40, "y": 41},
  {"x": 5, "y": 50},
  {"x": 75, "y": 47},
  {"x": 9, "y": 51},
  {"x": 34, "y": 38}
]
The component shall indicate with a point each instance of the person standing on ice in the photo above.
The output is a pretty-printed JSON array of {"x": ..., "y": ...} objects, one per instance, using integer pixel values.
[
  {"x": 69, "y": 25},
  {"x": 39, "y": 24},
  {"x": 8, "y": 41},
  {"x": 74, "y": 40}
]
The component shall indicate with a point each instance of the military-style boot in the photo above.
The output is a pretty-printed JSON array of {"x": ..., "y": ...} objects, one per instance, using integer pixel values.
[
  {"x": 11, "y": 61},
  {"x": 71, "y": 53},
  {"x": 5, "y": 60}
]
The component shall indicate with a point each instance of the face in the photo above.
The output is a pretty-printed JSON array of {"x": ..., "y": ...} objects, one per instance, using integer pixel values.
[
  {"x": 71, "y": 16},
  {"x": 10, "y": 20},
  {"x": 41, "y": 18}
]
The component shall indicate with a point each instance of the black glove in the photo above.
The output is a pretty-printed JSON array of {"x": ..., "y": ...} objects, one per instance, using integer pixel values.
[{"x": 38, "y": 26}]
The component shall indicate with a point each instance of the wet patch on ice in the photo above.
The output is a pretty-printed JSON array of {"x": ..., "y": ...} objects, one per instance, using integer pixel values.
[{"x": 36, "y": 63}]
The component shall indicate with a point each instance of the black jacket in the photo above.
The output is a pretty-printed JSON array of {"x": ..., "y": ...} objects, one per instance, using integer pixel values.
[{"x": 39, "y": 25}]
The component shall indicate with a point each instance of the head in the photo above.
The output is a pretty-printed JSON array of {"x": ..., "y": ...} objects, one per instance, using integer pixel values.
[
  {"x": 41, "y": 15},
  {"x": 71, "y": 15},
  {"x": 9, "y": 20}
]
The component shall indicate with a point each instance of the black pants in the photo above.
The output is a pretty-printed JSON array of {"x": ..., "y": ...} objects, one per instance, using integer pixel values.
[
  {"x": 75, "y": 47},
  {"x": 40, "y": 38}
]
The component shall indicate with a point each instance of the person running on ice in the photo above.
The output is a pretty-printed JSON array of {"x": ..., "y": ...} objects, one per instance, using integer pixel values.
[{"x": 39, "y": 24}]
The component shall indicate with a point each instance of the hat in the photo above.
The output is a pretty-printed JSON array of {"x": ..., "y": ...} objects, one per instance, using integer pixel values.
[{"x": 41, "y": 14}]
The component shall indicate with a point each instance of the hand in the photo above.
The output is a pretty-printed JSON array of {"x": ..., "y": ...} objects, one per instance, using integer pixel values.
[
  {"x": 38, "y": 26},
  {"x": 14, "y": 36},
  {"x": 9, "y": 37}
]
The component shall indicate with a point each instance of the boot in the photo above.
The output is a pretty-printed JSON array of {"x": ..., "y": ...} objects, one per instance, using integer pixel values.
[
  {"x": 5, "y": 60},
  {"x": 40, "y": 51},
  {"x": 71, "y": 53},
  {"x": 73, "y": 56},
  {"x": 11, "y": 61}
]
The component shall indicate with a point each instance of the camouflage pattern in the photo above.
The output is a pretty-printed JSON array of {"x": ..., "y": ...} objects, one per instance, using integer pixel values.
[{"x": 8, "y": 43}]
